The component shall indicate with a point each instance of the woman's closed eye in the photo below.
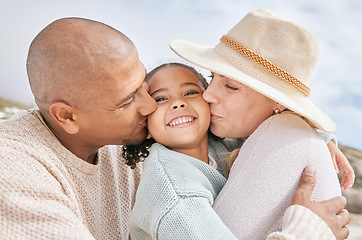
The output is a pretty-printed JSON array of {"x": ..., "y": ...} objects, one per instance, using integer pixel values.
[{"x": 231, "y": 87}]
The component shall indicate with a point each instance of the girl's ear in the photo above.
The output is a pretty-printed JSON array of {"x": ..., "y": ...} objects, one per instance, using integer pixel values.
[
  {"x": 149, "y": 136},
  {"x": 64, "y": 115}
]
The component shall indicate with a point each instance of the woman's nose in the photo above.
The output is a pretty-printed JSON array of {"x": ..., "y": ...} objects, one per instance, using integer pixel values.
[{"x": 209, "y": 94}]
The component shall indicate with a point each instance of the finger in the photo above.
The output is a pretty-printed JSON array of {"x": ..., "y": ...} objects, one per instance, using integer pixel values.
[
  {"x": 344, "y": 217},
  {"x": 348, "y": 179},
  {"x": 343, "y": 233},
  {"x": 335, "y": 205},
  {"x": 308, "y": 179},
  {"x": 344, "y": 183},
  {"x": 304, "y": 192}
]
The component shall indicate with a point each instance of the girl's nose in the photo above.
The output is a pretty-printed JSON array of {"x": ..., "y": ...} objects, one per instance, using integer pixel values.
[{"x": 178, "y": 104}]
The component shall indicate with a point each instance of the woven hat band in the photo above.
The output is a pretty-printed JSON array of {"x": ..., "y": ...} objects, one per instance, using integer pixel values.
[{"x": 272, "y": 68}]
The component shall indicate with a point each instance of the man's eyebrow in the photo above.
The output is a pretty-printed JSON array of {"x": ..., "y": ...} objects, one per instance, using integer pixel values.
[{"x": 131, "y": 95}]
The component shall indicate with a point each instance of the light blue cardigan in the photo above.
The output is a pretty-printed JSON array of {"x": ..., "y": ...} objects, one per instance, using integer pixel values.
[{"x": 175, "y": 196}]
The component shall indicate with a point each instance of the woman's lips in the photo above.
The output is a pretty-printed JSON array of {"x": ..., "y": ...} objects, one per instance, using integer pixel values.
[{"x": 215, "y": 116}]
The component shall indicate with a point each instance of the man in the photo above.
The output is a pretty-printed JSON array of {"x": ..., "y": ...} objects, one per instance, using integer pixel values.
[{"x": 61, "y": 175}]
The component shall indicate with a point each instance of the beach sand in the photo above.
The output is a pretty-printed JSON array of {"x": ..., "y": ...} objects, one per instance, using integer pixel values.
[{"x": 355, "y": 227}]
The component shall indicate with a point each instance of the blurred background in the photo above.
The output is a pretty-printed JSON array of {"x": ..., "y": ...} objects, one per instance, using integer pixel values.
[{"x": 152, "y": 24}]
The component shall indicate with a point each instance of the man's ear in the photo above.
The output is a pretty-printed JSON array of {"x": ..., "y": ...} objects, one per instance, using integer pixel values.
[{"x": 64, "y": 115}]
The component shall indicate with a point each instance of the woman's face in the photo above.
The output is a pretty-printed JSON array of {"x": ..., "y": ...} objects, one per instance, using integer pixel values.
[
  {"x": 236, "y": 110},
  {"x": 182, "y": 118}
]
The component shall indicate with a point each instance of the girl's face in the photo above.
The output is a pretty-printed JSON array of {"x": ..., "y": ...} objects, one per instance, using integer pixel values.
[
  {"x": 182, "y": 118},
  {"x": 236, "y": 110}
]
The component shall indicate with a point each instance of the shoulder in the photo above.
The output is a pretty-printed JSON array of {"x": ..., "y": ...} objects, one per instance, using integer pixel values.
[
  {"x": 285, "y": 134},
  {"x": 286, "y": 119},
  {"x": 285, "y": 125},
  {"x": 24, "y": 128},
  {"x": 24, "y": 139}
]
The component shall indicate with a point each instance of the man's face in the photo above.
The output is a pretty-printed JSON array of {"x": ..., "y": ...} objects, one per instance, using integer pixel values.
[{"x": 119, "y": 112}]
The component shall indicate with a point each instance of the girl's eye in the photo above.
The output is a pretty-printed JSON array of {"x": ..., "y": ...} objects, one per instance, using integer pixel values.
[
  {"x": 231, "y": 88},
  {"x": 192, "y": 92},
  {"x": 160, "y": 99}
]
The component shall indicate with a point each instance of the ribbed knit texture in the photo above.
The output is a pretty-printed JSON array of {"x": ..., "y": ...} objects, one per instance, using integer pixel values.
[
  {"x": 174, "y": 199},
  {"x": 302, "y": 224},
  {"x": 267, "y": 173},
  {"x": 46, "y": 192}
]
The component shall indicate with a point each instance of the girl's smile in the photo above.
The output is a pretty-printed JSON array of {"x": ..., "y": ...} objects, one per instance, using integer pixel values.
[{"x": 182, "y": 121}]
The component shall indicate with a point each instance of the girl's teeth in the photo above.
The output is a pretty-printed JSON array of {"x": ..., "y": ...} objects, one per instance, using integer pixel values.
[{"x": 182, "y": 120}]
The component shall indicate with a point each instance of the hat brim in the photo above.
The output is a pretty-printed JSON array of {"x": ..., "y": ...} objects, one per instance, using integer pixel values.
[{"x": 206, "y": 57}]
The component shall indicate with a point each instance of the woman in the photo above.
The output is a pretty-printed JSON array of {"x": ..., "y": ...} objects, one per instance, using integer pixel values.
[{"x": 261, "y": 68}]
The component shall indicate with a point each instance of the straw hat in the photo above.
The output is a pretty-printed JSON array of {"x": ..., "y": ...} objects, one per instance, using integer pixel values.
[{"x": 269, "y": 54}]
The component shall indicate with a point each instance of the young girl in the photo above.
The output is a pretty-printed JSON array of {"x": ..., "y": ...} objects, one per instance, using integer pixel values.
[{"x": 180, "y": 180}]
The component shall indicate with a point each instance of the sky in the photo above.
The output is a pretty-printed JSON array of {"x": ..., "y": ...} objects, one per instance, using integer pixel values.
[{"x": 151, "y": 24}]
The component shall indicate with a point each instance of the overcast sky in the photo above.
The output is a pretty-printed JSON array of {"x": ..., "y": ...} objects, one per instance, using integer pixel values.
[{"x": 152, "y": 24}]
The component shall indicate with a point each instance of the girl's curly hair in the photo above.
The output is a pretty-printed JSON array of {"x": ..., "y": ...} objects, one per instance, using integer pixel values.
[{"x": 134, "y": 154}]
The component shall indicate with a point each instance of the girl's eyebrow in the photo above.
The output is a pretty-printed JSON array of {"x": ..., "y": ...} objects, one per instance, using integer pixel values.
[
  {"x": 166, "y": 89},
  {"x": 159, "y": 90},
  {"x": 187, "y": 84}
]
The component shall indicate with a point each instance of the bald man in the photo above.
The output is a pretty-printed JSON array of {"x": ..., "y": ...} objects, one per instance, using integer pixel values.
[{"x": 61, "y": 171}]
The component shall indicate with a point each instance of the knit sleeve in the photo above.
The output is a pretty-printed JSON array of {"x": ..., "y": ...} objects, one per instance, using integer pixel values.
[
  {"x": 301, "y": 223},
  {"x": 33, "y": 204},
  {"x": 192, "y": 218},
  {"x": 327, "y": 137}
]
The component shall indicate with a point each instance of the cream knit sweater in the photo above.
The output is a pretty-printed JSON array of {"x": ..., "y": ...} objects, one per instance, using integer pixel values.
[{"x": 46, "y": 192}]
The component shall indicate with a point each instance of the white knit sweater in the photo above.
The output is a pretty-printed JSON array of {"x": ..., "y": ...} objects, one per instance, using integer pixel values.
[
  {"x": 266, "y": 174},
  {"x": 46, "y": 192}
]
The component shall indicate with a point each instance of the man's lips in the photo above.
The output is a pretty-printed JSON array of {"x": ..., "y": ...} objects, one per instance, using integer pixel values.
[
  {"x": 143, "y": 123},
  {"x": 181, "y": 121}
]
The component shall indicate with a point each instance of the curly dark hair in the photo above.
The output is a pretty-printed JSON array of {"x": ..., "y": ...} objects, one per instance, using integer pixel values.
[{"x": 134, "y": 154}]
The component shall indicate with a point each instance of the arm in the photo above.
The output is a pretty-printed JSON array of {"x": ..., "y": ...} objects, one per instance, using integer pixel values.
[
  {"x": 342, "y": 165},
  {"x": 340, "y": 162},
  {"x": 33, "y": 204}
]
